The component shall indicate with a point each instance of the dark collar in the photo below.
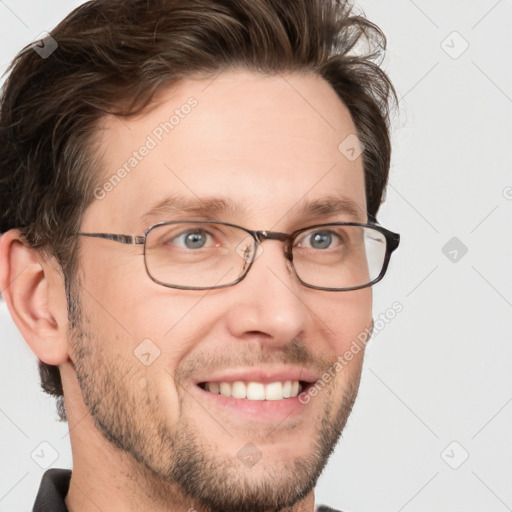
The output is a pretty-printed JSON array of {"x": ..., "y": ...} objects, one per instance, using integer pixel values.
[{"x": 52, "y": 491}]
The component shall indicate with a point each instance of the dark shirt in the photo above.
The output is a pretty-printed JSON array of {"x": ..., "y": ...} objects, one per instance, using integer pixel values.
[
  {"x": 54, "y": 487},
  {"x": 52, "y": 491}
]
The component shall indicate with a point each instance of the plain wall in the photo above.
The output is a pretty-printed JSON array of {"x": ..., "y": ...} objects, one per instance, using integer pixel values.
[{"x": 431, "y": 426}]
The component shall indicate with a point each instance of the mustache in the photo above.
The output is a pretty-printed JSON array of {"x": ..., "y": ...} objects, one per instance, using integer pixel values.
[{"x": 254, "y": 353}]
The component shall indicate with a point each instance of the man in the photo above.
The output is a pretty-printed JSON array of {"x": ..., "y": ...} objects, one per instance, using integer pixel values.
[{"x": 189, "y": 193}]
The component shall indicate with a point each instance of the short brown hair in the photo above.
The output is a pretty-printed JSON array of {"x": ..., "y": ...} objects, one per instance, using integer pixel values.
[{"x": 113, "y": 55}]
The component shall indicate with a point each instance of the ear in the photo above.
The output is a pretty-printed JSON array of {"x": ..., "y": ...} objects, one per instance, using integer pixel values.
[{"x": 34, "y": 291}]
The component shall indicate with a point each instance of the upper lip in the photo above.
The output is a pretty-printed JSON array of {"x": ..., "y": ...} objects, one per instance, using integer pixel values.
[{"x": 264, "y": 375}]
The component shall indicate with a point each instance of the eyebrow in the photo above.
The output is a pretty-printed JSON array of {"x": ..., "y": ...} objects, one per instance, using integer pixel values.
[
  {"x": 214, "y": 208},
  {"x": 328, "y": 206},
  {"x": 201, "y": 207}
]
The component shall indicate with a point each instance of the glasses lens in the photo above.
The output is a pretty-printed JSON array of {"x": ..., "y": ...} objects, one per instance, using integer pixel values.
[
  {"x": 339, "y": 256},
  {"x": 197, "y": 255}
]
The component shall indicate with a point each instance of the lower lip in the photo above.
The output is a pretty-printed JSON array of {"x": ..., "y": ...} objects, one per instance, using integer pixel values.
[{"x": 255, "y": 409}]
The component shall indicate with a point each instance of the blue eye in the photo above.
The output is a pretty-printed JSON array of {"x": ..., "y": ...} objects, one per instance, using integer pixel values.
[
  {"x": 196, "y": 239},
  {"x": 320, "y": 239}
]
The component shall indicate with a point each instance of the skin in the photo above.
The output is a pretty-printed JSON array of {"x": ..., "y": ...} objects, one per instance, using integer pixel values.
[{"x": 254, "y": 140}]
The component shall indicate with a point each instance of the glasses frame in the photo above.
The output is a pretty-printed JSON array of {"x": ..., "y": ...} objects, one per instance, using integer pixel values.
[{"x": 392, "y": 242}]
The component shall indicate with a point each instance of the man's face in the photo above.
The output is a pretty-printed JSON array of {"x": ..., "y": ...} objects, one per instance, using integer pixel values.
[{"x": 267, "y": 147}]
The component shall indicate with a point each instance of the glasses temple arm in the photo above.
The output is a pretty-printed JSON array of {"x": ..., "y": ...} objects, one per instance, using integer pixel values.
[{"x": 123, "y": 239}]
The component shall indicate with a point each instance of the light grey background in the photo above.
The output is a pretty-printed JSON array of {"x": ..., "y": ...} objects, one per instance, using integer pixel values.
[{"x": 436, "y": 383}]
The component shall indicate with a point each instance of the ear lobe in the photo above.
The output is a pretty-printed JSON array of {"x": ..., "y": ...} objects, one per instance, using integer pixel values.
[{"x": 30, "y": 286}]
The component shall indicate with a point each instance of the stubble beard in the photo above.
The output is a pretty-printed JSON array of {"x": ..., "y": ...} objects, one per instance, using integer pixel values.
[{"x": 175, "y": 465}]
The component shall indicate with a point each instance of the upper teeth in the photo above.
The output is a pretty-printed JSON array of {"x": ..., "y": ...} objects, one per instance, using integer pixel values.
[{"x": 255, "y": 390}]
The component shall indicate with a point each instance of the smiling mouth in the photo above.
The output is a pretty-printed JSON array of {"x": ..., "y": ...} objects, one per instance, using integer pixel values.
[{"x": 251, "y": 390}]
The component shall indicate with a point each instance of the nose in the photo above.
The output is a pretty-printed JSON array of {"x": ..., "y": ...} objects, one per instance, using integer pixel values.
[{"x": 268, "y": 302}]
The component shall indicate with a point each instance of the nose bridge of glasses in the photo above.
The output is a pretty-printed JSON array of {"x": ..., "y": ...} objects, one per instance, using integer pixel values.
[
  {"x": 271, "y": 235},
  {"x": 261, "y": 236}
]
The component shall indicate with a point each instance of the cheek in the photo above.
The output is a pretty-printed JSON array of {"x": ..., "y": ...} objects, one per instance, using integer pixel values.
[
  {"x": 139, "y": 320},
  {"x": 123, "y": 297},
  {"x": 171, "y": 324},
  {"x": 346, "y": 317}
]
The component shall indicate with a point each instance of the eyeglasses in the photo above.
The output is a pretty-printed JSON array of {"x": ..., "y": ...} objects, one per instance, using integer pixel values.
[{"x": 203, "y": 255}]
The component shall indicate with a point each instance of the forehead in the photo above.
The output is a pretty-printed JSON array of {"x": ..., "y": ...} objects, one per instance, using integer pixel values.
[{"x": 266, "y": 146}]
